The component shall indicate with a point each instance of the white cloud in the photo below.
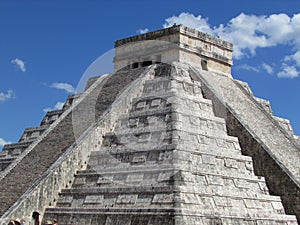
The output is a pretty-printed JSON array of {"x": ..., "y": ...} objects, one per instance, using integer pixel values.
[
  {"x": 6, "y": 96},
  {"x": 63, "y": 86},
  {"x": 3, "y": 142},
  {"x": 57, "y": 106},
  {"x": 248, "y": 32},
  {"x": 288, "y": 72},
  {"x": 20, "y": 64},
  {"x": 142, "y": 31},
  {"x": 295, "y": 57},
  {"x": 189, "y": 20},
  {"x": 247, "y": 67},
  {"x": 268, "y": 68}
]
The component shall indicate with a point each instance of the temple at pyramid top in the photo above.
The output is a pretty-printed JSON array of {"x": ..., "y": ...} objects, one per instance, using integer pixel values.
[{"x": 175, "y": 44}]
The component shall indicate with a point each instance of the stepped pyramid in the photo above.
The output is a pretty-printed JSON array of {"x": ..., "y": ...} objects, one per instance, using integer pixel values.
[{"x": 168, "y": 138}]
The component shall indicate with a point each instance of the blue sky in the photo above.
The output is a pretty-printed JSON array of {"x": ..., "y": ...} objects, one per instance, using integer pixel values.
[{"x": 46, "y": 47}]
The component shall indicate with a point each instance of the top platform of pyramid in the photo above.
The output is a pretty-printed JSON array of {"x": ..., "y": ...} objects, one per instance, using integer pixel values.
[{"x": 174, "y": 44}]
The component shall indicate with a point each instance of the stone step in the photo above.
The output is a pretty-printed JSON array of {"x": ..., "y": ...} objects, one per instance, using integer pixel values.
[
  {"x": 186, "y": 195},
  {"x": 199, "y": 149},
  {"x": 16, "y": 148},
  {"x": 156, "y": 176},
  {"x": 51, "y": 116},
  {"x": 167, "y": 219},
  {"x": 33, "y": 132},
  {"x": 64, "y": 216},
  {"x": 206, "y": 185},
  {"x": 110, "y": 217},
  {"x": 285, "y": 124},
  {"x": 207, "y": 163},
  {"x": 266, "y": 105}
]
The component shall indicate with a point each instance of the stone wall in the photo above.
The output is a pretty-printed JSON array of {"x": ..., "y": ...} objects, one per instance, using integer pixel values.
[{"x": 175, "y": 44}]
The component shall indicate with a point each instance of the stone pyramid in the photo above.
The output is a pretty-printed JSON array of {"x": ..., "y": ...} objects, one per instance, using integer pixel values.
[{"x": 169, "y": 138}]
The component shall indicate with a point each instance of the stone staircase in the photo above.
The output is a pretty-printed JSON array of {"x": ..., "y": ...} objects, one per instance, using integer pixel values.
[
  {"x": 169, "y": 160},
  {"x": 269, "y": 140},
  {"x": 21, "y": 175},
  {"x": 11, "y": 151}
]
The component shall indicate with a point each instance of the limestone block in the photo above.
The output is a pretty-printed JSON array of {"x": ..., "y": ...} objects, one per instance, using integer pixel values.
[
  {"x": 141, "y": 105},
  {"x": 222, "y": 201},
  {"x": 163, "y": 198},
  {"x": 93, "y": 199},
  {"x": 263, "y": 187},
  {"x": 194, "y": 120},
  {"x": 215, "y": 180},
  {"x": 205, "y": 107},
  {"x": 133, "y": 122},
  {"x": 78, "y": 202},
  {"x": 211, "y": 125},
  {"x": 144, "y": 200},
  {"x": 204, "y": 139},
  {"x": 191, "y": 198},
  {"x": 155, "y": 102},
  {"x": 79, "y": 181},
  {"x": 165, "y": 156},
  {"x": 253, "y": 204},
  {"x": 139, "y": 159},
  {"x": 188, "y": 88},
  {"x": 127, "y": 199},
  {"x": 209, "y": 159},
  {"x": 150, "y": 178},
  {"x": 237, "y": 145},
  {"x": 65, "y": 199},
  {"x": 249, "y": 165},
  {"x": 134, "y": 178},
  {"x": 109, "y": 200},
  {"x": 230, "y": 163},
  {"x": 240, "y": 183},
  {"x": 105, "y": 179},
  {"x": 165, "y": 176}
]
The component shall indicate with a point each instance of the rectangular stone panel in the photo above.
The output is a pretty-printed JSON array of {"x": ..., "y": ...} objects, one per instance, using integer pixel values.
[
  {"x": 94, "y": 199},
  {"x": 126, "y": 199},
  {"x": 77, "y": 202},
  {"x": 155, "y": 102},
  {"x": 165, "y": 176},
  {"x": 105, "y": 180},
  {"x": 163, "y": 198},
  {"x": 191, "y": 198},
  {"x": 194, "y": 120},
  {"x": 278, "y": 206},
  {"x": 240, "y": 183},
  {"x": 135, "y": 178},
  {"x": 65, "y": 199},
  {"x": 109, "y": 200},
  {"x": 222, "y": 201},
  {"x": 209, "y": 159},
  {"x": 79, "y": 181},
  {"x": 263, "y": 187},
  {"x": 164, "y": 156},
  {"x": 144, "y": 200},
  {"x": 215, "y": 180},
  {"x": 230, "y": 163},
  {"x": 141, "y": 105},
  {"x": 253, "y": 204}
]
